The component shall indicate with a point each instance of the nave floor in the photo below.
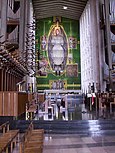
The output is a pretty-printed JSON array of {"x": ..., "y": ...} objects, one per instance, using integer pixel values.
[
  {"x": 69, "y": 143},
  {"x": 74, "y": 143}
]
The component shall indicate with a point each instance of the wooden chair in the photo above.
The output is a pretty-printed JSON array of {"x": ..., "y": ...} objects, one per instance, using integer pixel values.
[
  {"x": 8, "y": 138},
  {"x": 32, "y": 140}
]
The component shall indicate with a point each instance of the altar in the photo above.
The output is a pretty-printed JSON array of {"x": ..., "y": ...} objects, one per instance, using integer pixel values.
[{"x": 62, "y": 91}]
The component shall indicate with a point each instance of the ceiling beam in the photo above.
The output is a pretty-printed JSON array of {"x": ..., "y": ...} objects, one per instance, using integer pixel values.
[
  {"x": 60, "y": 10},
  {"x": 56, "y": 7},
  {"x": 59, "y": 2},
  {"x": 63, "y": 15},
  {"x": 46, "y": 8},
  {"x": 69, "y": 5}
]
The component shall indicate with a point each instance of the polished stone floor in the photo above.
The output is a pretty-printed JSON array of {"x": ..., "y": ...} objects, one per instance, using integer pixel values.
[
  {"x": 73, "y": 143},
  {"x": 78, "y": 144},
  {"x": 99, "y": 137},
  {"x": 97, "y": 142}
]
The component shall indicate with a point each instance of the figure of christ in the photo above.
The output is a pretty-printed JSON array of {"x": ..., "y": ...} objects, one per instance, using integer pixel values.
[{"x": 57, "y": 51}]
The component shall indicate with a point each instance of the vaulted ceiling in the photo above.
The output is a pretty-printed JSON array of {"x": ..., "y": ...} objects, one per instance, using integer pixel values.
[{"x": 48, "y": 8}]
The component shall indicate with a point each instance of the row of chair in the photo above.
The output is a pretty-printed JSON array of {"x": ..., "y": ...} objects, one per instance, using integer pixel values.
[
  {"x": 8, "y": 138},
  {"x": 32, "y": 141}
]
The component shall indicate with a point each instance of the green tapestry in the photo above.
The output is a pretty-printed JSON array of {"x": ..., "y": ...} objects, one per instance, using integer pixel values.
[{"x": 58, "y": 54}]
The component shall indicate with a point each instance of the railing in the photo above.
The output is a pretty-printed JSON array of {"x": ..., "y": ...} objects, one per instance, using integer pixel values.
[{"x": 13, "y": 36}]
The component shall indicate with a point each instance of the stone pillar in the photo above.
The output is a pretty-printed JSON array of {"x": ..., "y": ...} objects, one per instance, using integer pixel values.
[
  {"x": 108, "y": 37},
  {"x": 107, "y": 20},
  {"x": 89, "y": 46},
  {"x": 100, "y": 51},
  {"x": 98, "y": 46},
  {"x": 94, "y": 36}
]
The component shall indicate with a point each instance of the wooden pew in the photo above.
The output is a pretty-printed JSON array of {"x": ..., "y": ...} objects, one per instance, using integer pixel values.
[
  {"x": 8, "y": 138},
  {"x": 3, "y": 127},
  {"x": 32, "y": 141},
  {"x": 33, "y": 150}
]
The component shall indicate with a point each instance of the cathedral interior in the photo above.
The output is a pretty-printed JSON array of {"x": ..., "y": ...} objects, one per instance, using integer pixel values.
[{"x": 57, "y": 76}]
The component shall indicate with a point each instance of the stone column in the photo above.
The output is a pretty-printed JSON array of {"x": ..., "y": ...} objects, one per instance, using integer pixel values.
[
  {"x": 95, "y": 46},
  {"x": 108, "y": 37},
  {"x": 101, "y": 49},
  {"x": 96, "y": 43}
]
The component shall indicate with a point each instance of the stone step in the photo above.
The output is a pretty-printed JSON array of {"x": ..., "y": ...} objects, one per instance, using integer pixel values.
[
  {"x": 81, "y": 127},
  {"x": 62, "y": 126}
]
